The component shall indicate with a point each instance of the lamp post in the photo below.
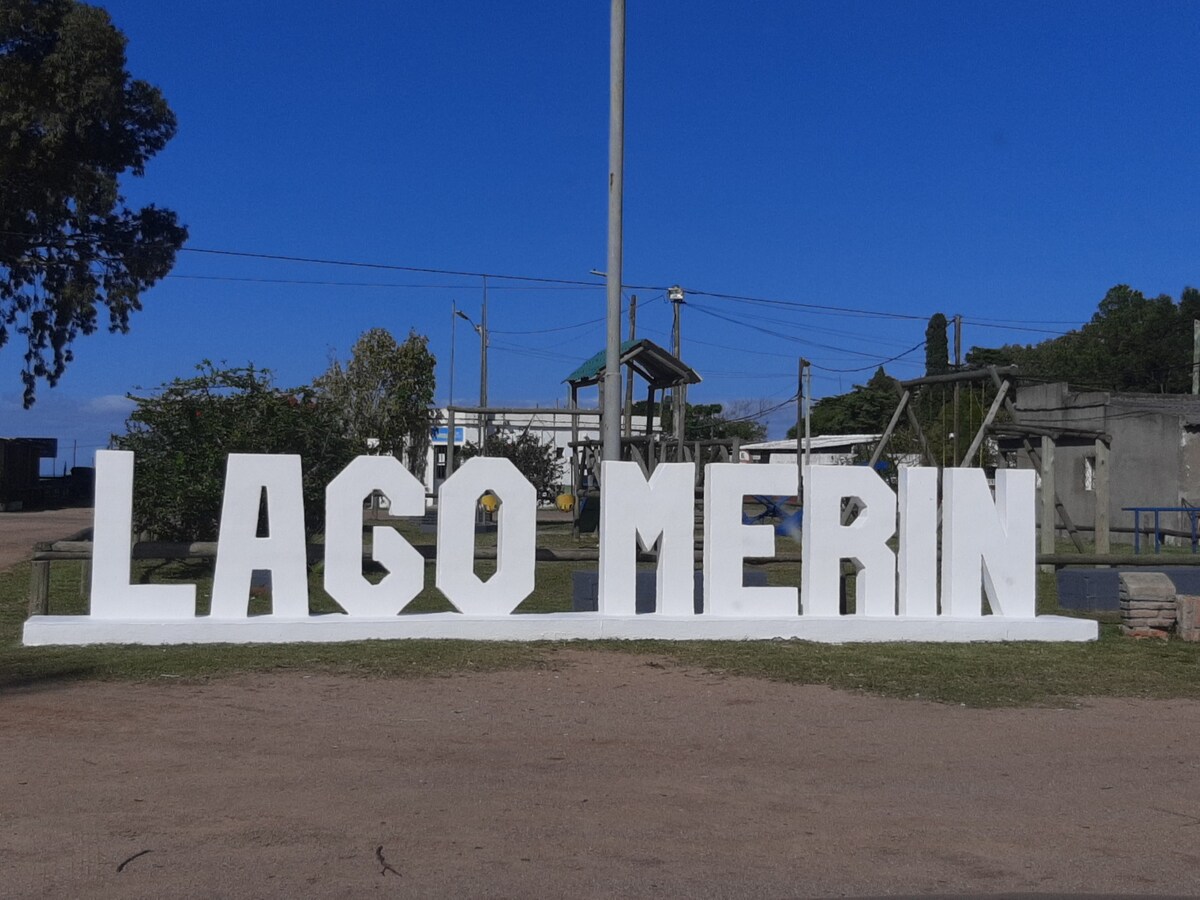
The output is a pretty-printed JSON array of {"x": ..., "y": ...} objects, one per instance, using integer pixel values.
[{"x": 481, "y": 330}]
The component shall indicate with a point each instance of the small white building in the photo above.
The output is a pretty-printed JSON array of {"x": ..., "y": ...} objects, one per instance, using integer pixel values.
[
  {"x": 825, "y": 449},
  {"x": 552, "y": 425}
]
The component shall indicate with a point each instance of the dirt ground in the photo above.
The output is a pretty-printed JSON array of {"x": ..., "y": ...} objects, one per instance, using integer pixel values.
[
  {"x": 19, "y": 531},
  {"x": 606, "y": 775}
]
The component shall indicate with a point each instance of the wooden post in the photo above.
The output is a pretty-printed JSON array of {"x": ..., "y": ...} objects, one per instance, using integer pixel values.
[
  {"x": 877, "y": 453},
  {"x": 629, "y": 369},
  {"x": 978, "y": 440},
  {"x": 1048, "y": 511},
  {"x": 1102, "y": 496},
  {"x": 449, "y": 442},
  {"x": 574, "y": 402},
  {"x": 39, "y": 583}
]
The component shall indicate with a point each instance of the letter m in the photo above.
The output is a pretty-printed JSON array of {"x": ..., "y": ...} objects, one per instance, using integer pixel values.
[{"x": 635, "y": 512}]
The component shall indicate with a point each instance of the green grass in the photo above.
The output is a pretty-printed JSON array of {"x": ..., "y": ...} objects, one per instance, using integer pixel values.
[{"x": 1009, "y": 674}]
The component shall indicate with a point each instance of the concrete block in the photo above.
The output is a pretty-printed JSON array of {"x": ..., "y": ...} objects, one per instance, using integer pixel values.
[
  {"x": 1147, "y": 586},
  {"x": 1188, "y": 617}
]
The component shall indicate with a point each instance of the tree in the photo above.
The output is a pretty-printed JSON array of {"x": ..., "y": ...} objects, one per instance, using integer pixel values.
[
  {"x": 183, "y": 433},
  {"x": 72, "y": 120},
  {"x": 864, "y": 410},
  {"x": 1131, "y": 343},
  {"x": 537, "y": 460},
  {"x": 937, "y": 346},
  {"x": 711, "y": 421},
  {"x": 385, "y": 394}
]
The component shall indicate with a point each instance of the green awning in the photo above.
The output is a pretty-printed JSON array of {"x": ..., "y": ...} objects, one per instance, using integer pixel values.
[{"x": 658, "y": 367}]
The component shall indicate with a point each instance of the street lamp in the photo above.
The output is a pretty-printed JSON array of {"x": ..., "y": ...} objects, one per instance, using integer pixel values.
[{"x": 481, "y": 330}]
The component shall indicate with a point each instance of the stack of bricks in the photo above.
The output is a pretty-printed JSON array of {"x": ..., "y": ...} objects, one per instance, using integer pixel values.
[
  {"x": 1187, "y": 613},
  {"x": 1148, "y": 607}
]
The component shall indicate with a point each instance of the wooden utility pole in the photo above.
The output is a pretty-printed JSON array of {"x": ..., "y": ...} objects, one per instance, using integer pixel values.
[
  {"x": 799, "y": 418},
  {"x": 679, "y": 392},
  {"x": 629, "y": 369}
]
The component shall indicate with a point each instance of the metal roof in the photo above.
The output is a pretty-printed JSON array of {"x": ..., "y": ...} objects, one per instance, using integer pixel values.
[
  {"x": 818, "y": 442},
  {"x": 658, "y": 367}
]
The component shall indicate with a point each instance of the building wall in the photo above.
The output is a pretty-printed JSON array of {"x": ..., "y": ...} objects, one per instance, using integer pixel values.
[
  {"x": 552, "y": 426},
  {"x": 1154, "y": 458}
]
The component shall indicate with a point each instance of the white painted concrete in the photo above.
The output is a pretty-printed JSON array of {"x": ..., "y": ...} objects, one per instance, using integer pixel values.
[
  {"x": 344, "y": 580},
  {"x": 113, "y": 597},
  {"x": 917, "y": 498},
  {"x": 727, "y": 541},
  {"x": 997, "y": 537},
  {"x": 864, "y": 541},
  {"x": 239, "y": 549},
  {"x": 633, "y": 512},
  {"x": 76, "y": 630},
  {"x": 516, "y": 537}
]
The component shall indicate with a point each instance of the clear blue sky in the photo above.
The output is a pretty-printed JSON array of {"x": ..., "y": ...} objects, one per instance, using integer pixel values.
[{"x": 1008, "y": 161}]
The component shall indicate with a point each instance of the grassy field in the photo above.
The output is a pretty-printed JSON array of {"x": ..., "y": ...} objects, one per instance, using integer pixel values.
[{"x": 973, "y": 674}]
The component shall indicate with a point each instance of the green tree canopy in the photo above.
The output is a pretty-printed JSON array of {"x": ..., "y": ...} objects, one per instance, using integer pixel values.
[
  {"x": 72, "y": 120},
  {"x": 937, "y": 346},
  {"x": 1131, "y": 343},
  {"x": 385, "y": 395},
  {"x": 537, "y": 460},
  {"x": 184, "y": 431},
  {"x": 711, "y": 421}
]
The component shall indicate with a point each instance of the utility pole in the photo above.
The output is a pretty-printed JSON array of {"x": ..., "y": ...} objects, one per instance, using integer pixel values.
[
  {"x": 629, "y": 369},
  {"x": 679, "y": 392},
  {"x": 481, "y": 330},
  {"x": 453, "y": 331},
  {"x": 611, "y": 415},
  {"x": 807, "y": 413},
  {"x": 803, "y": 413},
  {"x": 957, "y": 367},
  {"x": 483, "y": 349},
  {"x": 799, "y": 418}
]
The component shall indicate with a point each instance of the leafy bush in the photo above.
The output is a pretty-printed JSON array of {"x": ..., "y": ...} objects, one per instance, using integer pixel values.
[
  {"x": 183, "y": 433},
  {"x": 537, "y": 460}
]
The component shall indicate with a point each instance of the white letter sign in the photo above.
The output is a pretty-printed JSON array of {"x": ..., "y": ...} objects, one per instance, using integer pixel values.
[{"x": 849, "y": 512}]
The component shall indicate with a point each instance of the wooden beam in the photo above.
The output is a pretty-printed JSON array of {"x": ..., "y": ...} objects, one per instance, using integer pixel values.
[
  {"x": 1048, "y": 518},
  {"x": 877, "y": 453},
  {"x": 1102, "y": 496},
  {"x": 1001, "y": 393},
  {"x": 952, "y": 377}
]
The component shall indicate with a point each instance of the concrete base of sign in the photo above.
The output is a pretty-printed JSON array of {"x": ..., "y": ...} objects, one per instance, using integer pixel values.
[{"x": 77, "y": 630}]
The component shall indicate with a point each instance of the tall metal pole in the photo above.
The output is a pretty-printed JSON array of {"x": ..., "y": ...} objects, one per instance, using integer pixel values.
[
  {"x": 453, "y": 332},
  {"x": 483, "y": 349},
  {"x": 629, "y": 369},
  {"x": 616, "y": 185}
]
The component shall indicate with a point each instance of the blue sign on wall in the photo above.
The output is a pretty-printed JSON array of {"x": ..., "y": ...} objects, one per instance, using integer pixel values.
[{"x": 442, "y": 432}]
